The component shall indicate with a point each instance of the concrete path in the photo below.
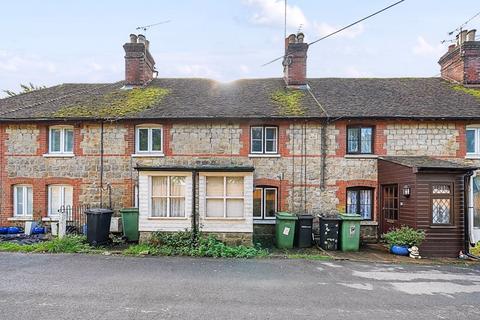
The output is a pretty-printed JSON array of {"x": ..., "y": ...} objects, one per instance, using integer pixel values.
[{"x": 108, "y": 287}]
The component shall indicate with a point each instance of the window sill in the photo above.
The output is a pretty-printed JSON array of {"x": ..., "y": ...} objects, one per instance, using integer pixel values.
[
  {"x": 264, "y": 221},
  {"x": 167, "y": 218},
  {"x": 223, "y": 219},
  {"x": 59, "y": 155},
  {"x": 447, "y": 226},
  {"x": 361, "y": 156},
  {"x": 20, "y": 219},
  {"x": 148, "y": 155},
  {"x": 368, "y": 223},
  {"x": 264, "y": 155},
  {"x": 472, "y": 156}
]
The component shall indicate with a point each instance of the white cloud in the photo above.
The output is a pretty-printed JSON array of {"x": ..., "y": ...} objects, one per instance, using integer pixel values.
[
  {"x": 197, "y": 70},
  {"x": 424, "y": 48},
  {"x": 323, "y": 29},
  {"x": 10, "y": 62},
  {"x": 354, "y": 72},
  {"x": 272, "y": 13}
]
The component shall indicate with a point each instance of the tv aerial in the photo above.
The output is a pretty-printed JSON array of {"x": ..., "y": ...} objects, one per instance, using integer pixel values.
[{"x": 145, "y": 28}]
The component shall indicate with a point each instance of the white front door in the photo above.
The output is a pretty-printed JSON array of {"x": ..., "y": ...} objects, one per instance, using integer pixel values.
[{"x": 474, "y": 209}]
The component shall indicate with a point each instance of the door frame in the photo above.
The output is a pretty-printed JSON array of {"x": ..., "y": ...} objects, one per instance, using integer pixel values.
[{"x": 473, "y": 231}]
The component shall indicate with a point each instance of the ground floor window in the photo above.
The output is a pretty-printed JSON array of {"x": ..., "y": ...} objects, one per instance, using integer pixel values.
[
  {"x": 360, "y": 201},
  {"x": 265, "y": 203},
  {"x": 60, "y": 197},
  {"x": 168, "y": 196},
  {"x": 22, "y": 201},
  {"x": 224, "y": 197},
  {"x": 442, "y": 200}
]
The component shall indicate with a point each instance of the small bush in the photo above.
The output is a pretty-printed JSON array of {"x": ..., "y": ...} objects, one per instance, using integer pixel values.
[
  {"x": 186, "y": 244},
  {"x": 404, "y": 236},
  {"x": 476, "y": 250}
]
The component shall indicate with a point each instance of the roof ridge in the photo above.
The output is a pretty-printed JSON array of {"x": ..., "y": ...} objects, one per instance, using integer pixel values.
[{"x": 58, "y": 98}]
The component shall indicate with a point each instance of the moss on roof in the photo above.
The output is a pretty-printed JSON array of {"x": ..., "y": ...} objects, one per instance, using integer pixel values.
[
  {"x": 117, "y": 104},
  {"x": 289, "y": 101},
  {"x": 470, "y": 91}
]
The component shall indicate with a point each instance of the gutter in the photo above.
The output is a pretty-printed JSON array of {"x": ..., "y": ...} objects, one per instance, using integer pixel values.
[{"x": 196, "y": 168}]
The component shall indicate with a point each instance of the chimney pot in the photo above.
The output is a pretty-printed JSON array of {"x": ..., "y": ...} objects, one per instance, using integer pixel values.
[
  {"x": 463, "y": 36},
  {"x": 471, "y": 35},
  {"x": 300, "y": 37},
  {"x": 141, "y": 38},
  {"x": 133, "y": 38},
  {"x": 451, "y": 47},
  {"x": 292, "y": 38}
]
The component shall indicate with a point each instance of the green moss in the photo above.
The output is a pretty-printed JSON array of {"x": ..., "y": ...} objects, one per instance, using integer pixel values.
[
  {"x": 470, "y": 91},
  {"x": 116, "y": 104},
  {"x": 289, "y": 101}
]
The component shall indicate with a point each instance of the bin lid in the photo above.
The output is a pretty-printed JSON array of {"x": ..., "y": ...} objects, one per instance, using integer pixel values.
[
  {"x": 334, "y": 217},
  {"x": 305, "y": 217},
  {"x": 351, "y": 217},
  {"x": 98, "y": 211},
  {"x": 128, "y": 210},
  {"x": 286, "y": 216}
]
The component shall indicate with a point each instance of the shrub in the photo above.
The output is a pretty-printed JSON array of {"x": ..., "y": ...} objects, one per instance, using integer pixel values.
[
  {"x": 476, "y": 250},
  {"x": 141, "y": 249},
  {"x": 404, "y": 236},
  {"x": 186, "y": 244}
]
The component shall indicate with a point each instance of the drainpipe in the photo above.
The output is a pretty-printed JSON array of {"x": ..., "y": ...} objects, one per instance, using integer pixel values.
[
  {"x": 466, "y": 210},
  {"x": 323, "y": 154},
  {"x": 101, "y": 163},
  {"x": 194, "y": 206}
]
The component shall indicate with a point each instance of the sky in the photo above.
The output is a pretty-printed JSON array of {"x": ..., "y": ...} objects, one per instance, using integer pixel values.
[{"x": 52, "y": 42}]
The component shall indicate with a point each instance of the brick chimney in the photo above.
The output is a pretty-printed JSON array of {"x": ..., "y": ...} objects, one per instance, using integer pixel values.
[
  {"x": 295, "y": 61},
  {"x": 139, "y": 63},
  {"x": 461, "y": 64}
]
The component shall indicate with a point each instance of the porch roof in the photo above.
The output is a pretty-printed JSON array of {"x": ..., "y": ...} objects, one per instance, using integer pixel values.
[{"x": 426, "y": 163}]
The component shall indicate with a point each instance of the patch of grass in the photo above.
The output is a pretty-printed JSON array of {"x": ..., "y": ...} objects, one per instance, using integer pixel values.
[
  {"x": 141, "y": 249},
  {"x": 289, "y": 101},
  {"x": 116, "y": 104},
  {"x": 308, "y": 256},
  {"x": 470, "y": 91},
  {"x": 68, "y": 244}
]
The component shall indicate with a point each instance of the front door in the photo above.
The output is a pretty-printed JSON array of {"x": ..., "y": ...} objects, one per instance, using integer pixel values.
[
  {"x": 474, "y": 209},
  {"x": 390, "y": 207}
]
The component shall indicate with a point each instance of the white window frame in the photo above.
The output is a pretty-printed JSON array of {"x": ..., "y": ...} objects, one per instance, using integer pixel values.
[
  {"x": 63, "y": 130},
  {"x": 264, "y": 140},
  {"x": 25, "y": 212},
  {"x": 150, "y": 128},
  {"x": 63, "y": 188},
  {"x": 476, "y": 129},
  {"x": 168, "y": 197},
  {"x": 264, "y": 203},
  {"x": 225, "y": 197}
]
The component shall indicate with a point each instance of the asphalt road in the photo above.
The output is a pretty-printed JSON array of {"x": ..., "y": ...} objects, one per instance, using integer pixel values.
[{"x": 107, "y": 287}]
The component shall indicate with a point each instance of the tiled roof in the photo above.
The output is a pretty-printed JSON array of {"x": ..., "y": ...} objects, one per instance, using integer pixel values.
[
  {"x": 424, "y": 162},
  {"x": 252, "y": 98}
]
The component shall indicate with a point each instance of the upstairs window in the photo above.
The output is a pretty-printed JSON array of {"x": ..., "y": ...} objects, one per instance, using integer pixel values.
[
  {"x": 61, "y": 139},
  {"x": 359, "y": 140},
  {"x": 360, "y": 201},
  {"x": 264, "y": 203},
  {"x": 473, "y": 141},
  {"x": 264, "y": 140},
  {"x": 149, "y": 139},
  {"x": 22, "y": 201}
]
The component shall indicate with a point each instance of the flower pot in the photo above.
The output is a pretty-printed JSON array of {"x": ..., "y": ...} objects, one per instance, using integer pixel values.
[
  {"x": 14, "y": 230},
  {"x": 38, "y": 230},
  {"x": 399, "y": 250}
]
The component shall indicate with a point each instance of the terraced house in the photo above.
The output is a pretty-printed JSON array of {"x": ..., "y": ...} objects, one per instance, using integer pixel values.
[{"x": 226, "y": 156}]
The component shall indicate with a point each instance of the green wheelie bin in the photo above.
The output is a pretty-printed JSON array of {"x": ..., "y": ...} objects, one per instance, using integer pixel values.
[
  {"x": 130, "y": 223},
  {"x": 350, "y": 232},
  {"x": 285, "y": 230}
]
